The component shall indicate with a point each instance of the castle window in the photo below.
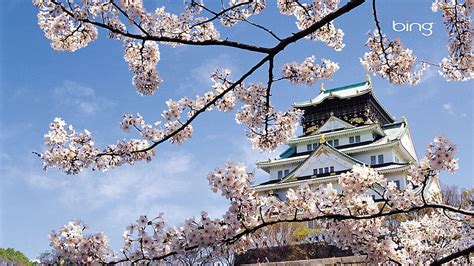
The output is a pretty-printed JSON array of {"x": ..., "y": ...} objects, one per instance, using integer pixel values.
[
  {"x": 315, "y": 171},
  {"x": 336, "y": 142},
  {"x": 332, "y": 169},
  {"x": 326, "y": 170},
  {"x": 357, "y": 139},
  {"x": 321, "y": 171},
  {"x": 397, "y": 182},
  {"x": 309, "y": 147},
  {"x": 380, "y": 158},
  {"x": 373, "y": 159},
  {"x": 280, "y": 174},
  {"x": 315, "y": 146},
  {"x": 330, "y": 142},
  {"x": 287, "y": 171},
  {"x": 351, "y": 140}
]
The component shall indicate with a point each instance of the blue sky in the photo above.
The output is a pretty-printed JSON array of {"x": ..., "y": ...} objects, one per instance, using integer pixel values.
[{"x": 91, "y": 89}]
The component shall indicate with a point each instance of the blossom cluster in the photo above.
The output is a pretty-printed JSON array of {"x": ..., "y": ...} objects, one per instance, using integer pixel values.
[
  {"x": 72, "y": 152},
  {"x": 307, "y": 72},
  {"x": 440, "y": 154},
  {"x": 359, "y": 179},
  {"x": 65, "y": 34},
  {"x": 457, "y": 19},
  {"x": 70, "y": 242},
  {"x": 349, "y": 218},
  {"x": 391, "y": 60},
  {"x": 267, "y": 128},
  {"x": 66, "y": 149},
  {"x": 142, "y": 59},
  {"x": 70, "y": 26},
  {"x": 307, "y": 14},
  {"x": 241, "y": 10},
  {"x": 433, "y": 233}
]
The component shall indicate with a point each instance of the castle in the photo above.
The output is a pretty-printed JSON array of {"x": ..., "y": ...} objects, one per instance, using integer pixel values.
[{"x": 342, "y": 127}]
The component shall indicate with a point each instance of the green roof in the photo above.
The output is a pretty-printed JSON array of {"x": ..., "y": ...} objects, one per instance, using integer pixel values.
[{"x": 346, "y": 87}]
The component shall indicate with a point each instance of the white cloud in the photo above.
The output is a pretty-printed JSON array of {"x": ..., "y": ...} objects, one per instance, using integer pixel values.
[
  {"x": 175, "y": 185},
  {"x": 448, "y": 108},
  {"x": 430, "y": 73},
  {"x": 199, "y": 81},
  {"x": 243, "y": 152},
  {"x": 81, "y": 98}
]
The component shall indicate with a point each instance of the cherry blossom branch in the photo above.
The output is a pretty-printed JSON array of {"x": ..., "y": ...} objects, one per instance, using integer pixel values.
[
  {"x": 457, "y": 20},
  {"x": 268, "y": 92},
  {"x": 389, "y": 58},
  {"x": 216, "y": 15},
  {"x": 129, "y": 18},
  {"x": 199, "y": 111},
  {"x": 379, "y": 32},
  {"x": 351, "y": 218},
  {"x": 248, "y": 47},
  {"x": 464, "y": 252},
  {"x": 262, "y": 28},
  {"x": 179, "y": 130}
]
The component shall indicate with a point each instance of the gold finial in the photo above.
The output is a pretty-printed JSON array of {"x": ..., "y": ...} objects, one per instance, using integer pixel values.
[
  {"x": 404, "y": 120},
  {"x": 368, "y": 79},
  {"x": 321, "y": 88},
  {"x": 322, "y": 139}
]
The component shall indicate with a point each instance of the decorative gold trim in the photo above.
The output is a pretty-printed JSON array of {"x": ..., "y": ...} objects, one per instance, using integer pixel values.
[
  {"x": 404, "y": 120},
  {"x": 322, "y": 139},
  {"x": 368, "y": 79}
]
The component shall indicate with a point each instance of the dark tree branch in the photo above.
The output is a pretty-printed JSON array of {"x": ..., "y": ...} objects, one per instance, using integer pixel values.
[
  {"x": 227, "y": 43},
  {"x": 464, "y": 252},
  {"x": 217, "y": 14},
  {"x": 272, "y": 52},
  {"x": 337, "y": 217}
]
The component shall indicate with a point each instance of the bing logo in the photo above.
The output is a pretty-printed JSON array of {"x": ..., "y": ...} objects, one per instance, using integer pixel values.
[{"x": 426, "y": 29}]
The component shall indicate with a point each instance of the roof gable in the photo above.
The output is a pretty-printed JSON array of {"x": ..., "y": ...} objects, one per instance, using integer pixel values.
[
  {"x": 333, "y": 123},
  {"x": 324, "y": 156},
  {"x": 340, "y": 92}
]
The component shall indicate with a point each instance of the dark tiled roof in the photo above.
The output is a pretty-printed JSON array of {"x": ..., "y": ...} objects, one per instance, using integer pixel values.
[
  {"x": 269, "y": 182},
  {"x": 339, "y": 147},
  {"x": 392, "y": 125}
]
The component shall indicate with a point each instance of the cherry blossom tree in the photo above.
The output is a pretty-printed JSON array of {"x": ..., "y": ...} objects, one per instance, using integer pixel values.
[{"x": 431, "y": 233}]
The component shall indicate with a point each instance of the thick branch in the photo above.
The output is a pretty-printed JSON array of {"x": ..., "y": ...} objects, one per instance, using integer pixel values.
[
  {"x": 339, "y": 217},
  {"x": 464, "y": 252},
  {"x": 271, "y": 54},
  {"x": 227, "y": 43}
]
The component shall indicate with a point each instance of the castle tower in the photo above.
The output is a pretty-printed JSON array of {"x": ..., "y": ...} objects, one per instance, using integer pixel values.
[{"x": 341, "y": 127}]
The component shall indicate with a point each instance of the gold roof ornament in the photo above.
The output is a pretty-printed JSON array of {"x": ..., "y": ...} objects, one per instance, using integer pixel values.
[
  {"x": 322, "y": 139},
  {"x": 404, "y": 120},
  {"x": 321, "y": 88},
  {"x": 368, "y": 79}
]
